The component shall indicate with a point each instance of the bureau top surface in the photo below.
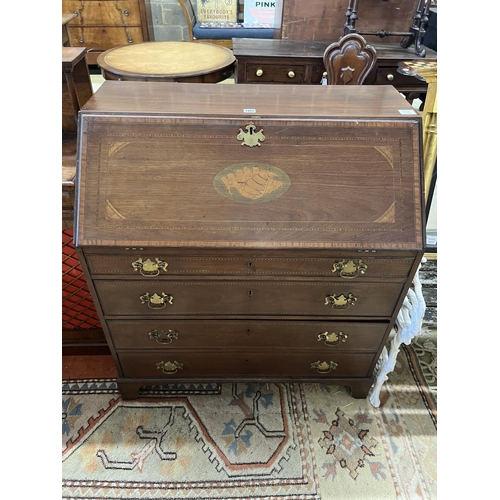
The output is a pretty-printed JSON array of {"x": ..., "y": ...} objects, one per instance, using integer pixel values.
[{"x": 265, "y": 167}]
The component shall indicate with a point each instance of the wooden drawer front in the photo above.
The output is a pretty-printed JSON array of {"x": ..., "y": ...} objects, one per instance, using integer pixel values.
[
  {"x": 275, "y": 73},
  {"x": 232, "y": 298},
  {"x": 388, "y": 75},
  {"x": 350, "y": 267},
  {"x": 234, "y": 363},
  {"x": 324, "y": 337},
  {"x": 104, "y": 38},
  {"x": 104, "y": 13}
]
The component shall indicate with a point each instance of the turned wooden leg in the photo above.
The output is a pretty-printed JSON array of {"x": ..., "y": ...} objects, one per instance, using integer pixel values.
[
  {"x": 128, "y": 390},
  {"x": 360, "y": 390}
]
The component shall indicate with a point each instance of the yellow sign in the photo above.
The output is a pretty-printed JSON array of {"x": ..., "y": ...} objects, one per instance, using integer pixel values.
[{"x": 217, "y": 11}]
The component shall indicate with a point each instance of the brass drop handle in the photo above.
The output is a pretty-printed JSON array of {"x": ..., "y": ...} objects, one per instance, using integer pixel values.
[
  {"x": 126, "y": 12},
  {"x": 259, "y": 72},
  {"x": 169, "y": 367},
  {"x": 341, "y": 301},
  {"x": 332, "y": 338},
  {"x": 324, "y": 367},
  {"x": 350, "y": 269},
  {"x": 162, "y": 336},
  {"x": 291, "y": 74},
  {"x": 156, "y": 301},
  {"x": 148, "y": 267},
  {"x": 390, "y": 77}
]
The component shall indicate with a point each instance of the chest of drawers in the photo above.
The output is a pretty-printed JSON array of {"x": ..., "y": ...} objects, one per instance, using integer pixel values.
[
  {"x": 100, "y": 25},
  {"x": 300, "y": 62},
  {"x": 258, "y": 233}
]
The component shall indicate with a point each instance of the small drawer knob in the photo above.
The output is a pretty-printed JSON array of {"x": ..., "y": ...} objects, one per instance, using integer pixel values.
[
  {"x": 126, "y": 12},
  {"x": 81, "y": 40},
  {"x": 390, "y": 77},
  {"x": 75, "y": 12},
  {"x": 129, "y": 39},
  {"x": 259, "y": 72},
  {"x": 291, "y": 74}
]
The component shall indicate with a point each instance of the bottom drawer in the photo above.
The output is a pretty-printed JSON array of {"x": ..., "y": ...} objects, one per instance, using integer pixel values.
[{"x": 248, "y": 363}]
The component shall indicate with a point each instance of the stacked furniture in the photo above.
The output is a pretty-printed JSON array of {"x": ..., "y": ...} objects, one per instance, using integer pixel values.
[{"x": 100, "y": 25}]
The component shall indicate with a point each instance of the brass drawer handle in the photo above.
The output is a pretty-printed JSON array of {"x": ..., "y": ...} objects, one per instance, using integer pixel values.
[
  {"x": 324, "y": 366},
  {"x": 332, "y": 338},
  {"x": 340, "y": 301},
  {"x": 169, "y": 367},
  {"x": 148, "y": 267},
  {"x": 291, "y": 74},
  {"x": 390, "y": 77},
  {"x": 162, "y": 336},
  {"x": 156, "y": 301},
  {"x": 259, "y": 72},
  {"x": 350, "y": 269}
]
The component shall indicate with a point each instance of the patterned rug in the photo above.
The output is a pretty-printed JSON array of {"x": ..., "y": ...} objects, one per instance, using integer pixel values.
[{"x": 255, "y": 441}]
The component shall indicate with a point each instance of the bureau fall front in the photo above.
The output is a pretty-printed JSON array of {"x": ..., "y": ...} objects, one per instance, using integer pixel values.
[{"x": 248, "y": 233}]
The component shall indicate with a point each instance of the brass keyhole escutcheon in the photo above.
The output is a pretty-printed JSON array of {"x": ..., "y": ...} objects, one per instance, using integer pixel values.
[
  {"x": 149, "y": 267},
  {"x": 341, "y": 301},
  {"x": 324, "y": 367},
  {"x": 169, "y": 367},
  {"x": 156, "y": 301},
  {"x": 162, "y": 336},
  {"x": 332, "y": 338},
  {"x": 350, "y": 269}
]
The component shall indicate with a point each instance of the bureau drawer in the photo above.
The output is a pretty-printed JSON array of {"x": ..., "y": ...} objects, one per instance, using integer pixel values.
[
  {"x": 320, "y": 336},
  {"x": 158, "y": 264},
  {"x": 388, "y": 75},
  {"x": 267, "y": 73},
  {"x": 132, "y": 298},
  {"x": 104, "y": 13},
  {"x": 234, "y": 363},
  {"x": 104, "y": 38}
]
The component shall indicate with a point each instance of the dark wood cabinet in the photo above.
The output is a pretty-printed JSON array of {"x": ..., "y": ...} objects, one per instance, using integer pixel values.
[
  {"x": 259, "y": 233},
  {"x": 301, "y": 62}
]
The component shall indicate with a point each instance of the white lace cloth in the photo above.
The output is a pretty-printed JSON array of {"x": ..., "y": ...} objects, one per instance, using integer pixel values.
[{"x": 408, "y": 324}]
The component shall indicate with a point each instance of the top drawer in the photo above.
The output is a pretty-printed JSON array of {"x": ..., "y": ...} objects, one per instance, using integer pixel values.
[
  {"x": 159, "y": 264},
  {"x": 93, "y": 13}
]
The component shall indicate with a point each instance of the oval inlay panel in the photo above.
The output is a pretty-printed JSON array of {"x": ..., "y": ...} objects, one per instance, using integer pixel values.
[{"x": 251, "y": 182}]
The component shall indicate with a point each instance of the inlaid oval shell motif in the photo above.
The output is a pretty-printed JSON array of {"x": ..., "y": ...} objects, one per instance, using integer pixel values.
[{"x": 251, "y": 182}]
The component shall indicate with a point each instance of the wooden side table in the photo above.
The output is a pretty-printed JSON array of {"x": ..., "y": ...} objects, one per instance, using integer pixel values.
[{"x": 168, "y": 62}]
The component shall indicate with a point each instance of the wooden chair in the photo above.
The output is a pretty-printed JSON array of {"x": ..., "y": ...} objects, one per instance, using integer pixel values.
[
  {"x": 187, "y": 8},
  {"x": 349, "y": 61}
]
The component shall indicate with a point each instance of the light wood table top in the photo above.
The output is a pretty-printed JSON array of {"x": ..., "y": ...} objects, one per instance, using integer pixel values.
[{"x": 168, "y": 62}]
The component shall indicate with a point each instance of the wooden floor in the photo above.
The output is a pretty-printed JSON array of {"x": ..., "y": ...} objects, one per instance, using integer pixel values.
[{"x": 77, "y": 367}]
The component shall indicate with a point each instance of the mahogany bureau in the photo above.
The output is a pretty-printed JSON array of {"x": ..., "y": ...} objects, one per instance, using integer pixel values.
[{"x": 248, "y": 232}]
